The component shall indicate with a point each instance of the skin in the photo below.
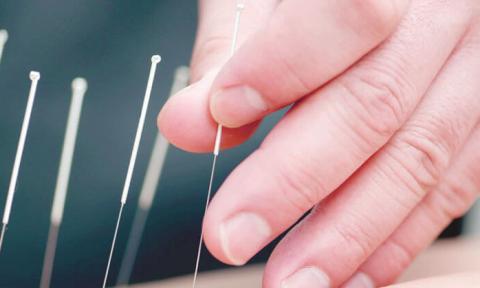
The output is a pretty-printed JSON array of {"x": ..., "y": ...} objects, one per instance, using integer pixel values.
[
  {"x": 465, "y": 280},
  {"x": 380, "y": 146}
]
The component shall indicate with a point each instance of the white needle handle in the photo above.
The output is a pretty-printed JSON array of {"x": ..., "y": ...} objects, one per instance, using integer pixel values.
[
  {"x": 34, "y": 76},
  {"x": 141, "y": 123},
  {"x": 3, "y": 41},
  {"x": 79, "y": 87}
]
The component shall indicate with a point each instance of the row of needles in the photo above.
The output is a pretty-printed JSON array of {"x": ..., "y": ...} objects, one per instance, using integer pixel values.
[{"x": 151, "y": 180}]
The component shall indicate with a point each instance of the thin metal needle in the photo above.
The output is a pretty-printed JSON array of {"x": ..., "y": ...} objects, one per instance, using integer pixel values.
[
  {"x": 149, "y": 189},
  {"x": 133, "y": 158},
  {"x": 2, "y": 234},
  {"x": 218, "y": 140},
  {"x": 112, "y": 248},
  {"x": 3, "y": 41},
  {"x": 34, "y": 77},
  {"x": 200, "y": 243},
  {"x": 79, "y": 87}
]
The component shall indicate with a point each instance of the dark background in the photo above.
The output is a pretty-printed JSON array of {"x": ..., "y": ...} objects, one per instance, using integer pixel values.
[{"x": 109, "y": 43}]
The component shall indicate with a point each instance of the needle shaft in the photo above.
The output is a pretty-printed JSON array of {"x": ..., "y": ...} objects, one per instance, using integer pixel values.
[
  {"x": 49, "y": 256},
  {"x": 112, "y": 249},
  {"x": 149, "y": 189},
  {"x": 2, "y": 234},
  {"x": 200, "y": 244},
  {"x": 138, "y": 136},
  {"x": 218, "y": 140},
  {"x": 34, "y": 77},
  {"x": 133, "y": 244}
]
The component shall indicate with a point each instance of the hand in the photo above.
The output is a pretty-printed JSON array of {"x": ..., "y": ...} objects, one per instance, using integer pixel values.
[{"x": 382, "y": 140}]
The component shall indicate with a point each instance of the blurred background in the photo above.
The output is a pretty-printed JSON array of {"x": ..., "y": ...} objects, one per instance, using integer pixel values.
[{"x": 110, "y": 44}]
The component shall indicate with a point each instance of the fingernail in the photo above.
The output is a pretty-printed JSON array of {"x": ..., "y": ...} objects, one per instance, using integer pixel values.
[
  {"x": 243, "y": 235},
  {"x": 238, "y": 106},
  {"x": 359, "y": 280},
  {"x": 309, "y": 277}
]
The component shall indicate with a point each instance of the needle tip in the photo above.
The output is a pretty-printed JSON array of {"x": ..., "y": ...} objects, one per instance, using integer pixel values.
[
  {"x": 79, "y": 84},
  {"x": 156, "y": 59},
  {"x": 34, "y": 75}
]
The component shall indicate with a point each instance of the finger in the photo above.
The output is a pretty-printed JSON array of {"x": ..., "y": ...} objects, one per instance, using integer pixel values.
[
  {"x": 185, "y": 119},
  {"x": 370, "y": 206},
  {"x": 187, "y": 124},
  {"x": 304, "y": 45},
  {"x": 328, "y": 136},
  {"x": 449, "y": 200}
]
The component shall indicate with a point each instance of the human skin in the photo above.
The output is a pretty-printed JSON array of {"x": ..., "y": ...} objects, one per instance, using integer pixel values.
[
  {"x": 380, "y": 147},
  {"x": 464, "y": 280}
]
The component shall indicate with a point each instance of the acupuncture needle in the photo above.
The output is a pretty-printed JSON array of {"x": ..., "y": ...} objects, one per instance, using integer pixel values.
[
  {"x": 133, "y": 158},
  {"x": 79, "y": 87},
  {"x": 3, "y": 41},
  {"x": 149, "y": 188},
  {"x": 34, "y": 77},
  {"x": 239, "y": 8}
]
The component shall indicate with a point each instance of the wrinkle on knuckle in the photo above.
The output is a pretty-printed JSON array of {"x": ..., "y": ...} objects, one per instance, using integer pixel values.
[
  {"x": 423, "y": 155},
  {"x": 303, "y": 85},
  {"x": 299, "y": 185},
  {"x": 393, "y": 170},
  {"x": 456, "y": 196},
  {"x": 377, "y": 99},
  {"x": 354, "y": 236},
  {"x": 401, "y": 253}
]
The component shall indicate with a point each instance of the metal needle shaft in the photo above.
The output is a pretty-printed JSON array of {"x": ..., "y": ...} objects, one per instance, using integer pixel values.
[
  {"x": 149, "y": 189},
  {"x": 218, "y": 140},
  {"x": 138, "y": 137}
]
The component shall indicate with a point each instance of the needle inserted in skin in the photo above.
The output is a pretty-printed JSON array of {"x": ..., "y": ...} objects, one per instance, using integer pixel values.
[
  {"x": 133, "y": 158},
  {"x": 218, "y": 140},
  {"x": 149, "y": 189},
  {"x": 34, "y": 77},
  {"x": 3, "y": 41},
  {"x": 79, "y": 87}
]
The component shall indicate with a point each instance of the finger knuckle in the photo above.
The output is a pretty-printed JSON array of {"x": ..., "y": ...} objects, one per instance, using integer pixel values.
[
  {"x": 377, "y": 100},
  {"x": 400, "y": 253},
  {"x": 423, "y": 154},
  {"x": 456, "y": 196},
  {"x": 298, "y": 183},
  {"x": 356, "y": 237}
]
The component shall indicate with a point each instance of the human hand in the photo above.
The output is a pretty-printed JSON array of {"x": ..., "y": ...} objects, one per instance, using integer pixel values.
[{"x": 382, "y": 138}]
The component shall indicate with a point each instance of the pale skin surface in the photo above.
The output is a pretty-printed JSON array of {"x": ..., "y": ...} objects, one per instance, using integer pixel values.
[
  {"x": 454, "y": 259},
  {"x": 465, "y": 280},
  {"x": 382, "y": 140}
]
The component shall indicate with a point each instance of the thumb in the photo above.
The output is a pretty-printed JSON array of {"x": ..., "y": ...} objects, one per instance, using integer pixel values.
[
  {"x": 185, "y": 119},
  {"x": 215, "y": 31},
  {"x": 305, "y": 44}
]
